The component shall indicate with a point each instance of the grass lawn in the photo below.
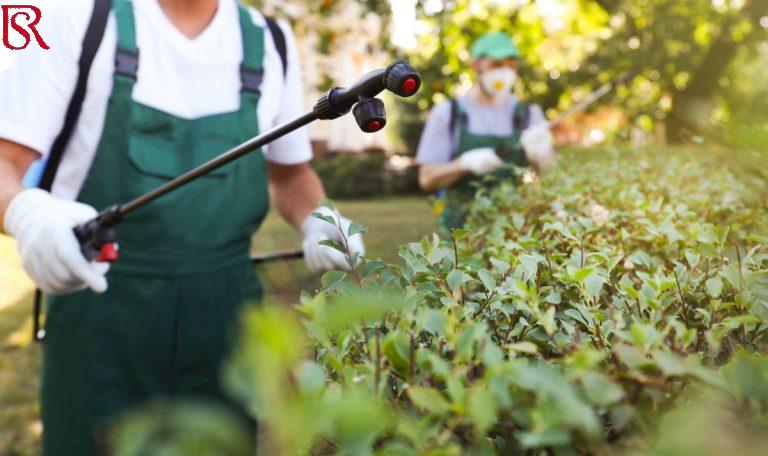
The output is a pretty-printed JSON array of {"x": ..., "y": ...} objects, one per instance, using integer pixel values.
[{"x": 391, "y": 221}]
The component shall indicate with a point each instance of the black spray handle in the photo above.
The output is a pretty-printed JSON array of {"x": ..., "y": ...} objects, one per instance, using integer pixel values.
[{"x": 97, "y": 237}]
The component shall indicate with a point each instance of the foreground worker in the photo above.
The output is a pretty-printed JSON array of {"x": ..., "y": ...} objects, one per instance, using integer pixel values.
[
  {"x": 481, "y": 131},
  {"x": 175, "y": 82}
]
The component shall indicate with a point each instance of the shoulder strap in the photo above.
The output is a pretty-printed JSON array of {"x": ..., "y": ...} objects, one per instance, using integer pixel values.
[
  {"x": 454, "y": 119},
  {"x": 127, "y": 53},
  {"x": 91, "y": 43},
  {"x": 458, "y": 116},
  {"x": 521, "y": 119},
  {"x": 252, "y": 68},
  {"x": 280, "y": 44}
]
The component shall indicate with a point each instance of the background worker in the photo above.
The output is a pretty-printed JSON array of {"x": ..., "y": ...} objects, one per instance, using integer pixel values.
[
  {"x": 477, "y": 133},
  {"x": 174, "y": 83}
]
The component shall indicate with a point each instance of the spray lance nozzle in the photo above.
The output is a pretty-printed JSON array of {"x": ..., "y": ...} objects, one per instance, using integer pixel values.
[{"x": 399, "y": 78}]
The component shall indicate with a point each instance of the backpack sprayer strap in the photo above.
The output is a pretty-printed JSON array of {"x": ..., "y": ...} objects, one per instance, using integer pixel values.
[{"x": 91, "y": 43}]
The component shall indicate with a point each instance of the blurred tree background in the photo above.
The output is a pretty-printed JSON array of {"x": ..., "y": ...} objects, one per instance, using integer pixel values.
[{"x": 694, "y": 64}]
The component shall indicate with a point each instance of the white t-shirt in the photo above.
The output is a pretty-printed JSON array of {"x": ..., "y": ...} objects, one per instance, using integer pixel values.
[{"x": 186, "y": 78}]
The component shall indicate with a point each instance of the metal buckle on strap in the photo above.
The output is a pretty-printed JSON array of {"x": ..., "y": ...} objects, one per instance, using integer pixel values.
[
  {"x": 127, "y": 63},
  {"x": 251, "y": 80}
]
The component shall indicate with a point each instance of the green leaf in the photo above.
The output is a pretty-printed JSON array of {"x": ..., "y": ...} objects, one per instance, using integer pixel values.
[
  {"x": 759, "y": 239},
  {"x": 332, "y": 278},
  {"x": 336, "y": 245},
  {"x": 644, "y": 334},
  {"x": 456, "y": 390},
  {"x": 548, "y": 437},
  {"x": 523, "y": 347},
  {"x": 692, "y": 258},
  {"x": 631, "y": 356},
  {"x": 593, "y": 284},
  {"x": 482, "y": 409},
  {"x": 311, "y": 378},
  {"x": 500, "y": 267},
  {"x": 487, "y": 279},
  {"x": 430, "y": 400},
  {"x": 374, "y": 266},
  {"x": 459, "y": 233},
  {"x": 356, "y": 228},
  {"x": 714, "y": 286},
  {"x": 731, "y": 273},
  {"x": 600, "y": 390},
  {"x": 435, "y": 322},
  {"x": 547, "y": 321},
  {"x": 358, "y": 419},
  {"x": 456, "y": 279},
  {"x": 581, "y": 275},
  {"x": 324, "y": 217},
  {"x": 670, "y": 364},
  {"x": 328, "y": 204},
  {"x": 747, "y": 376},
  {"x": 465, "y": 341},
  {"x": 396, "y": 347},
  {"x": 530, "y": 264}
]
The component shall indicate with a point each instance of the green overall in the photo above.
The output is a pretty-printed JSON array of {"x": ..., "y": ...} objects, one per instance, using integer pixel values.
[
  {"x": 166, "y": 322},
  {"x": 458, "y": 197}
]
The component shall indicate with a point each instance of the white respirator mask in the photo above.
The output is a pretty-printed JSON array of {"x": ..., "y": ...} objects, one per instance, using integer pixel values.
[{"x": 498, "y": 82}]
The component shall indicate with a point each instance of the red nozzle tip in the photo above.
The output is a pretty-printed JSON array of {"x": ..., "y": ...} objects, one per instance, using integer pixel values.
[
  {"x": 410, "y": 84},
  {"x": 110, "y": 252},
  {"x": 374, "y": 125}
]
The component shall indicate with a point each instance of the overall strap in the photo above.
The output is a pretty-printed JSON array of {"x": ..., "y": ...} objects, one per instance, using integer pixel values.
[
  {"x": 521, "y": 119},
  {"x": 453, "y": 123},
  {"x": 252, "y": 68},
  {"x": 127, "y": 54},
  {"x": 458, "y": 120}
]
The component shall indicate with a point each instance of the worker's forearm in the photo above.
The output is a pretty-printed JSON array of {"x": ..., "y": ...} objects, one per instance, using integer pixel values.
[
  {"x": 434, "y": 176},
  {"x": 296, "y": 191},
  {"x": 15, "y": 159}
]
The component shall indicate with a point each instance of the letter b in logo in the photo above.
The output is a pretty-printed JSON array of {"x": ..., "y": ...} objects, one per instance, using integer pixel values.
[{"x": 15, "y": 17}]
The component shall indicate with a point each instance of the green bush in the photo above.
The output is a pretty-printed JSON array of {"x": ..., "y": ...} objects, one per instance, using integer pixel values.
[
  {"x": 581, "y": 308},
  {"x": 617, "y": 304},
  {"x": 348, "y": 176}
]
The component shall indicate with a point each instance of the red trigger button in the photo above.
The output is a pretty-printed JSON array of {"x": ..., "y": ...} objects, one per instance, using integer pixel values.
[
  {"x": 110, "y": 253},
  {"x": 409, "y": 85}
]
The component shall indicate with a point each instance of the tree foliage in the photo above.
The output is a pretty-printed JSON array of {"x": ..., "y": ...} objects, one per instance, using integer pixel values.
[{"x": 679, "y": 53}]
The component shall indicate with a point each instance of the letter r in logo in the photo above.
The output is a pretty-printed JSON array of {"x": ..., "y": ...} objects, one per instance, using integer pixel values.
[{"x": 31, "y": 15}]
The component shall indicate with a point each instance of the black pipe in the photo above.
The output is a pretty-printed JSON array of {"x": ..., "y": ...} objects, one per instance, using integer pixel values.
[
  {"x": 216, "y": 163},
  {"x": 97, "y": 237},
  {"x": 277, "y": 256}
]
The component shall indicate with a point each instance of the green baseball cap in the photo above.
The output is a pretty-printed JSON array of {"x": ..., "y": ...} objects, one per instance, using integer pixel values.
[{"x": 497, "y": 46}]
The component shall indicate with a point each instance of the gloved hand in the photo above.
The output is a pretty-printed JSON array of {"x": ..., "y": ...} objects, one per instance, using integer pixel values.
[
  {"x": 320, "y": 257},
  {"x": 480, "y": 161},
  {"x": 537, "y": 142},
  {"x": 50, "y": 253}
]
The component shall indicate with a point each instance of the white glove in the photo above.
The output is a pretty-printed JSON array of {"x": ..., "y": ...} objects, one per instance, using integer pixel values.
[
  {"x": 50, "y": 253},
  {"x": 537, "y": 142},
  {"x": 480, "y": 161},
  {"x": 321, "y": 257}
]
